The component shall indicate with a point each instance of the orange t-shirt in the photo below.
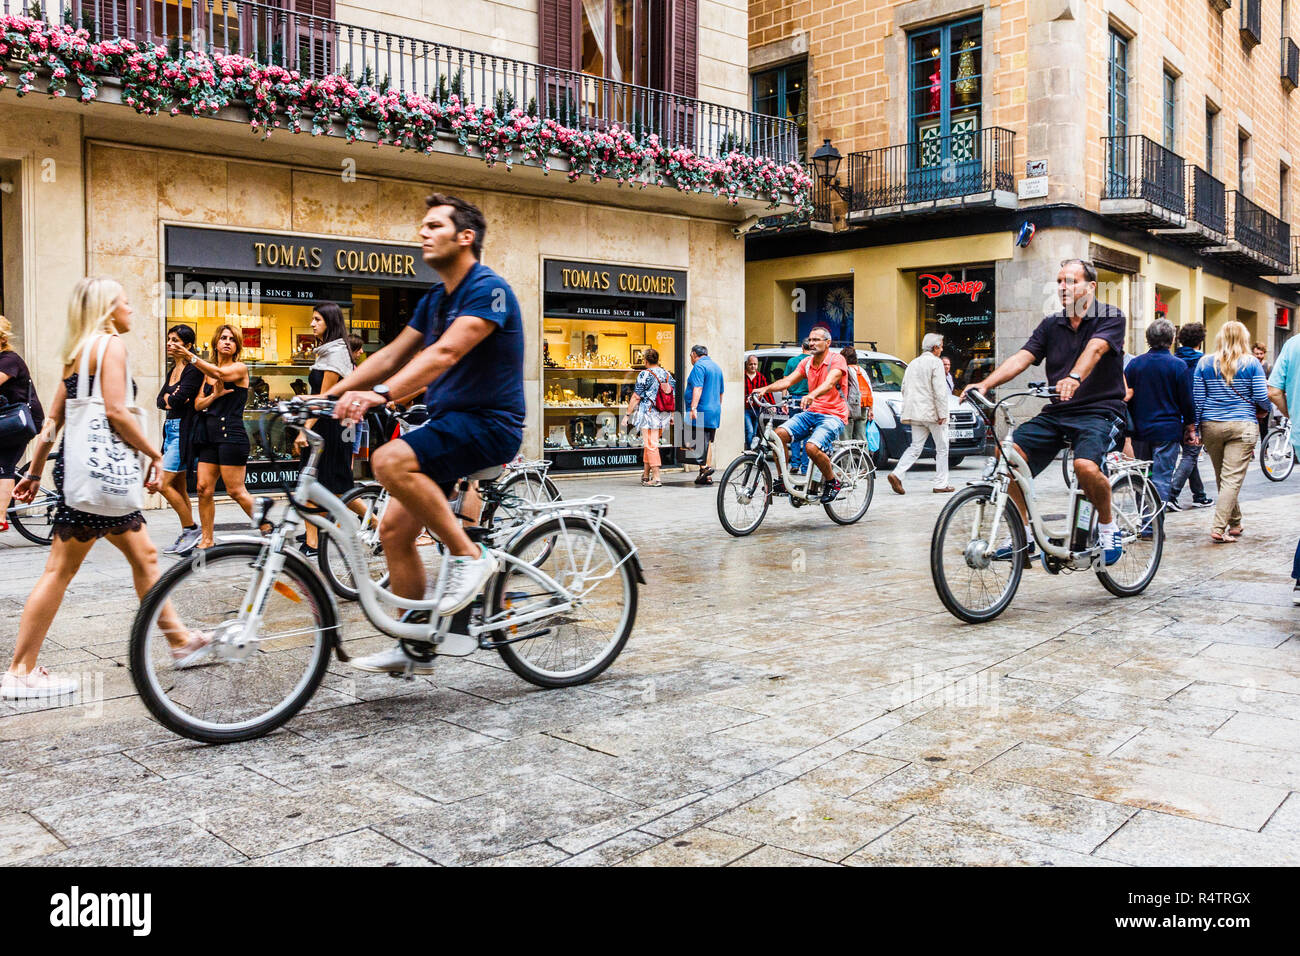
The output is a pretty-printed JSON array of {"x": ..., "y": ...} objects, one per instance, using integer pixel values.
[{"x": 832, "y": 402}]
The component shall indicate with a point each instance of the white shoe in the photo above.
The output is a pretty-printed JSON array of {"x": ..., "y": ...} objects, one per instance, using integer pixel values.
[
  {"x": 392, "y": 661},
  {"x": 465, "y": 579},
  {"x": 36, "y": 685}
]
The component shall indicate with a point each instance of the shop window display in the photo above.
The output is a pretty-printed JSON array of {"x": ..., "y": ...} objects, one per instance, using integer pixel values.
[{"x": 960, "y": 304}]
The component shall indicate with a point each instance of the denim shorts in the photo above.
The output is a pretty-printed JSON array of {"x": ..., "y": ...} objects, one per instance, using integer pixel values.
[
  {"x": 171, "y": 449},
  {"x": 821, "y": 430}
]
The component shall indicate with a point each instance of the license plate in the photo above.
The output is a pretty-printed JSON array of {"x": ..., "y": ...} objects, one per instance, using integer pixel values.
[{"x": 961, "y": 433}]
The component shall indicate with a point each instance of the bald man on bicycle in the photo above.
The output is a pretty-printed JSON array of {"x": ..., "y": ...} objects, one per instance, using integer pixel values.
[{"x": 1083, "y": 347}]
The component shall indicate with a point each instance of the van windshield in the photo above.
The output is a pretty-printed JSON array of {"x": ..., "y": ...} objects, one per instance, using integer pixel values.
[{"x": 886, "y": 375}]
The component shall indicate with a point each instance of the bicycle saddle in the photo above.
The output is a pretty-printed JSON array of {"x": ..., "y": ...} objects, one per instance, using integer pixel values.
[{"x": 490, "y": 473}]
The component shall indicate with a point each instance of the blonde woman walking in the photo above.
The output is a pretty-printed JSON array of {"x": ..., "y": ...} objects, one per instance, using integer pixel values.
[
  {"x": 1229, "y": 388},
  {"x": 99, "y": 307}
]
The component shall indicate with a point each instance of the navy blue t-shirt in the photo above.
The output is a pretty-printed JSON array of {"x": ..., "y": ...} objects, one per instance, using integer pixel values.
[{"x": 491, "y": 377}]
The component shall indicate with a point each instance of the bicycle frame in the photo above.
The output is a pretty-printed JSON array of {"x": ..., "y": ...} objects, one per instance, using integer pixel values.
[
  {"x": 345, "y": 528},
  {"x": 795, "y": 485}
]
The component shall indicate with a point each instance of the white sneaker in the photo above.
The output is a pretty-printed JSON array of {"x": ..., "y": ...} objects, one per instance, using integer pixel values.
[
  {"x": 36, "y": 685},
  {"x": 465, "y": 579},
  {"x": 392, "y": 661}
]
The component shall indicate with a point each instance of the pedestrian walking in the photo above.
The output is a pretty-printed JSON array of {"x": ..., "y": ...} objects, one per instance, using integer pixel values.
[
  {"x": 176, "y": 397},
  {"x": 925, "y": 408},
  {"x": 1190, "y": 338},
  {"x": 221, "y": 443},
  {"x": 858, "y": 398},
  {"x": 704, "y": 388},
  {"x": 650, "y": 409},
  {"x": 753, "y": 379},
  {"x": 1161, "y": 405},
  {"x": 98, "y": 316},
  {"x": 16, "y": 388},
  {"x": 1284, "y": 392},
  {"x": 332, "y": 364},
  {"x": 357, "y": 349},
  {"x": 1260, "y": 351},
  {"x": 947, "y": 373},
  {"x": 1229, "y": 388}
]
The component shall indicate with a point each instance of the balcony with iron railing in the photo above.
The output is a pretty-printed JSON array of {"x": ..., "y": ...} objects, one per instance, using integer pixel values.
[
  {"x": 388, "y": 63},
  {"x": 819, "y": 215},
  {"x": 1143, "y": 184},
  {"x": 1290, "y": 64},
  {"x": 1207, "y": 214},
  {"x": 939, "y": 175},
  {"x": 1258, "y": 241},
  {"x": 1251, "y": 18}
]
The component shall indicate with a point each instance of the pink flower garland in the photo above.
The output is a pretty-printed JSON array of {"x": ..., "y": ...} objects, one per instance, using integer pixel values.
[{"x": 199, "y": 84}]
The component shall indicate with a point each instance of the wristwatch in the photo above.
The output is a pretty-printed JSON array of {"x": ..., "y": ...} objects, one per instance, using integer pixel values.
[
  {"x": 381, "y": 390},
  {"x": 1075, "y": 377}
]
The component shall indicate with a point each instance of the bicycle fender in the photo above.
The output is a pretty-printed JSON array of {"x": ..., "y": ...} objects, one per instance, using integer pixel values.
[
  {"x": 627, "y": 543},
  {"x": 257, "y": 539}
]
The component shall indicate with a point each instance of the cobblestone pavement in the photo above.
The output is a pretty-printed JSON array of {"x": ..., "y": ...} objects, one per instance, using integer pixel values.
[{"x": 796, "y": 697}]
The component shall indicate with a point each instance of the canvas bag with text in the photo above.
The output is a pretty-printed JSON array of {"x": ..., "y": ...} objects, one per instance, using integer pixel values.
[{"x": 102, "y": 474}]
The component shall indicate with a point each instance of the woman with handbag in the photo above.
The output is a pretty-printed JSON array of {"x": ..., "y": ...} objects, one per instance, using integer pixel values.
[
  {"x": 96, "y": 401},
  {"x": 1229, "y": 389},
  {"x": 20, "y": 416},
  {"x": 220, "y": 441},
  {"x": 644, "y": 412}
]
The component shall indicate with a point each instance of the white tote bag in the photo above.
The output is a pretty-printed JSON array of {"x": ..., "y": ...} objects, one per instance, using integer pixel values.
[{"x": 102, "y": 474}]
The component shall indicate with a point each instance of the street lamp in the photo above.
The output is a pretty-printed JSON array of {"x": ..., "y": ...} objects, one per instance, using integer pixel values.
[{"x": 826, "y": 162}]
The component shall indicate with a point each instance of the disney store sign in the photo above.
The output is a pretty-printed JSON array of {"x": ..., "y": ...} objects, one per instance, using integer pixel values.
[{"x": 932, "y": 286}]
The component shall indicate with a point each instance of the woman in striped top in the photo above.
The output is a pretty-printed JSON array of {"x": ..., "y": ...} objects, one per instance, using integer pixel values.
[{"x": 1229, "y": 387}]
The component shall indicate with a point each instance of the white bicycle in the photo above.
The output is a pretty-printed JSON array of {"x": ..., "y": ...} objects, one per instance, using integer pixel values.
[
  {"x": 272, "y": 623},
  {"x": 1276, "y": 456}
]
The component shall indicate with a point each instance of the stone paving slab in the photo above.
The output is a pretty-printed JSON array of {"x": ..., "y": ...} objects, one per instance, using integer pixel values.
[{"x": 797, "y": 697}]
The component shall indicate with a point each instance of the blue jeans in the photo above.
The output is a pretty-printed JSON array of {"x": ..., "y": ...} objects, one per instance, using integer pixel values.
[
  {"x": 1164, "y": 459},
  {"x": 751, "y": 425},
  {"x": 1187, "y": 469}
]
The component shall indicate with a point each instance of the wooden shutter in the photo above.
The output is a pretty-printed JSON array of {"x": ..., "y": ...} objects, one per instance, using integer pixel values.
[
  {"x": 559, "y": 34},
  {"x": 683, "y": 47},
  {"x": 314, "y": 55}
]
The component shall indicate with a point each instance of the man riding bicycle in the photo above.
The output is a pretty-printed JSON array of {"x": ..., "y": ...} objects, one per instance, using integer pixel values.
[
  {"x": 465, "y": 345},
  {"x": 824, "y": 409},
  {"x": 1083, "y": 346}
]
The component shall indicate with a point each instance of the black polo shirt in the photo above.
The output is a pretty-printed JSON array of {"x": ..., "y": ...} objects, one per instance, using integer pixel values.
[{"x": 1060, "y": 346}]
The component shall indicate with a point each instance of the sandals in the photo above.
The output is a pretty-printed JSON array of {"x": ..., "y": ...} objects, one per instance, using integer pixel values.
[
  {"x": 1218, "y": 538},
  {"x": 192, "y": 651},
  {"x": 654, "y": 484},
  {"x": 1236, "y": 532}
]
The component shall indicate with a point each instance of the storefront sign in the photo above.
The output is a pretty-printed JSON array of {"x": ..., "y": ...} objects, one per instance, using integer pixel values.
[
  {"x": 932, "y": 287},
  {"x": 226, "y": 251},
  {"x": 1283, "y": 320},
  {"x": 601, "y": 459},
  {"x": 624, "y": 282}
]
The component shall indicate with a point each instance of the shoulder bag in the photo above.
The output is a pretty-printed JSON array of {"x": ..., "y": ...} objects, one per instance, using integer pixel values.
[{"x": 102, "y": 474}]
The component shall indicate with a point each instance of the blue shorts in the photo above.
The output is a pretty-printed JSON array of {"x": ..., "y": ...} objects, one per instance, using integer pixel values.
[
  {"x": 171, "y": 450},
  {"x": 1093, "y": 435},
  {"x": 453, "y": 444},
  {"x": 821, "y": 430}
]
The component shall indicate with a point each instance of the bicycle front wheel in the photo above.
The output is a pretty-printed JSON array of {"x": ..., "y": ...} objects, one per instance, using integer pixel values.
[
  {"x": 35, "y": 520},
  {"x": 573, "y": 645},
  {"x": 972, "y": 583},
  {"x": 743, "y": 495},
  {"x": 857, "y": 476},
  {"x": 1276, "y": 456},
  {"x": 1137, "y": 510},
  {"x": 245, "y": 685},
  {"x": 334, "y": 566}
]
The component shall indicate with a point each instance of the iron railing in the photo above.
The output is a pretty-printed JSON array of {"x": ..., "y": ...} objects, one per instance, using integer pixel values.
[
  {"x": 1206, "y": 200},
  {"x": 941, "y": 167},
  {"x": 1140, "y": 168},
  {"x": 1260, "y": 231},
  {"x": 1295, "y": 256},
  {"x": 1250, "y": 23},
  {"x": 820, "y": 196},
  {"x": 318, "y": 46},
  {"x": 1290, "y": 64}
]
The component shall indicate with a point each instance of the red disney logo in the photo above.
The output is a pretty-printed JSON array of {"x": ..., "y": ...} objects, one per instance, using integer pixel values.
[{"x": 945, "y": 286}]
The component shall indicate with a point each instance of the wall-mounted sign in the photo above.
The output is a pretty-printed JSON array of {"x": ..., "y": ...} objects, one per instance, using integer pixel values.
[
  {"x": 1034, "y": 187},
  {"x": 223, "y": 250},
  {"x": 1035, "y": 167},
  {"x": 934, "y": 287},
  {"x": 624, "y": 282}
]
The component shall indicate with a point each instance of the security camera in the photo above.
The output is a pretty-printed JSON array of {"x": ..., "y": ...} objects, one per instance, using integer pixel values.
[{"x": 741, "y": 228}]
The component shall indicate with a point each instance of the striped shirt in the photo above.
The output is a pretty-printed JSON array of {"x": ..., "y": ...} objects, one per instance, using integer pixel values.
[{"x": 1217, "y": 401}]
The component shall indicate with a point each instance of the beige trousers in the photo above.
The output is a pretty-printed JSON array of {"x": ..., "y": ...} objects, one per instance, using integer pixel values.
[{"x": 1231, "y": 446}]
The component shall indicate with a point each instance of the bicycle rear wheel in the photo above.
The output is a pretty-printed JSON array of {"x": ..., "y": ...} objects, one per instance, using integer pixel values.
[
  {"x": 573, "y": 645},
  {"x": 853, "y": 469},
  {"x": 520, "y": 488},
  {"x": 972, "y": 584},
  {"x": 743, "y": 495},
  {"x": 1276, "y": 456},
  {"x": 240, "y": 689},
  {"x": 1136, "y": 506}
]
